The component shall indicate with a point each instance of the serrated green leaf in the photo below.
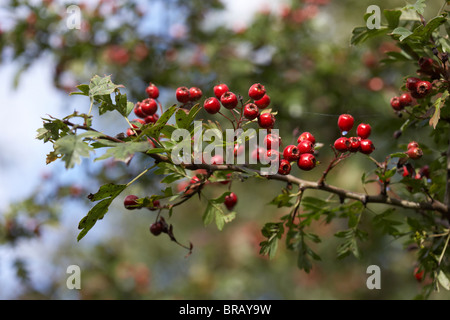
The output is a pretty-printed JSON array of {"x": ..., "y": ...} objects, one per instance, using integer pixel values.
[
  {"x": 73, "y": 148},
  {"x": 100, "y": 86},
  {"x": 96, "y": 213},
  {"x": 443, "y": 280},
  {"x": 106, "y": 191},
  {"x": 84, "y": 90},
  {"x": 402, "y": 32},
  {"x": 392, "y": 17},
  {"x": 156, "y": 129},
  {"x": 438, "y": 104},
  {"x": 419, "y": 6}
]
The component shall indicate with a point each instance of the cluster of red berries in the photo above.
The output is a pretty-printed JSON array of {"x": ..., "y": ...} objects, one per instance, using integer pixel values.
[
  {"x": 302, "y": 154},
  {"x": 159, "y": 227},
  {"x": 417, "y": 88},
  {"x": 414, "y": 151},
  {"x": 185, "y": 95},
  {"x": 145, "y": 110},
  {"x": 359, "y": 143},
  {"x": 229, "y": 100}
]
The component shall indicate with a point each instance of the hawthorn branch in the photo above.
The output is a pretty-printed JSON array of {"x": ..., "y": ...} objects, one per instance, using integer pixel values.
[{"x": 435, "y": 205}]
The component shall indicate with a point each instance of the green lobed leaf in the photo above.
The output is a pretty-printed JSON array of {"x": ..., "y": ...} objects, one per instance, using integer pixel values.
[
  {"x": 402, "y": 32},
  {"x": 73, "y": 148},
  {"x": 438, "y": 104},
  {"x": 107, "y": 193},
  {"x": 156, "y": 129},
  {"x": 100, "y": 86}
]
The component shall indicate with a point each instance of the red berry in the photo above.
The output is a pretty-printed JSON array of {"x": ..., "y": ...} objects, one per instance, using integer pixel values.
[
  {"x": 395, "y": 104},
  {"x": 155, "y": 205},
  {"x": 238, "y": 149},
  {"x": 259, "y": 154},
  {"x": 130, "y": 202},
  {"x": 152, "y": 118},
  {"x": 366, "y": 146},
  {"x": 182, "y": 94},
  {"x": 263, "y": 102},
  {"x": 305, "y": 146},
  {"x": 251, "y": 111},
  {"x": 418, "y": 274},
  {"x": 230, "y": 201},
  {"x": 345, "y": 122},
  {"x": 195, "y": 93},
  {"x": 130, "y": 132},
  {"x": 342, "y": 144},
  {"x": 266, "y": 120},
  {"x": 424, "y": 172},
  {"x": 273, "y": 155},
  {"x": 306, "y": 136},
  {"x": 285, "y": 167},
  {"x": 355, "y": 143},
  {"x": 423, "y": 88},
  {"x": 405, "y": 100},
  {"x": 217, "y": 159},
  {"x": 307, "y": 161},
  {"x": 291, "y": 153},
  {"x": 256, "y": 91},
  {"x": 149, "y": 106},
  {"x": 211, "y": 105},
  {"x": 425, "y": 63},
  {"x": 363, "y": 130},
  {"x": 413, "y": 144},
  {"x": 272, "y": 139},
  {"x": 220, "y": 89},
  {"x": 229, "y": 100},
  {"x": 414, "y": 153},
  {"x": 156, "y": 228},
  {"x": 411, "y": 83},
  {"x": 152, "y": 91},
  {"x": 138, "y": 111}
]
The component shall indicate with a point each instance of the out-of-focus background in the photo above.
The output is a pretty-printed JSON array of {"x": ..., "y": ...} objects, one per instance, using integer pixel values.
[{"x": 300, "y": 50}]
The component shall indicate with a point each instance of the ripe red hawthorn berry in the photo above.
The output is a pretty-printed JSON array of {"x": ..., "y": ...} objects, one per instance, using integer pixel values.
[
  {"x": 285, "y": 167},
  {"x": 256, "y": 91},
  {"x": 411, "y": 84},
  {"x": 238, "y": 149},
  {"x": 130, "y": 202},
  {"x": 138, "y": 111},
  {"x": 155, "y": 205},
  {"x": 195, "y": 93},
  {"x": 259, "y": 154},
  {"x": 149, "y": 106},
  {"x": 230, "y": 201},
  {"x": 425, "y": 64},
  {"x": 130, "y": 132},
  {"x": 220, "y": 89},
  {"x": 263, "y": 102},
  {"x": 211, "y": 105},
  {"x": 156, "y": 228},
  {"x": 151, "y": 119},
  {"x": 366, "y": 146},
  {"x": 418, "y": 274},
  {"x": 229, "y": 100},
  {"x": 423, "y": 88},
  {"x": 266, "y": 120},
  {"x": 305, "y": 146},
  {"x": 345, "y": 123},
  {"x": 182, "y": 94},
  {"x": 414, "y": 153},
  {"x": 251, "y": 111},
  {"x": 363, "y": 130},
  {"x": 152, "y": 91},
  {"x": 216, "y": 159},
  {"x": 306, "y": 136},
  {"x": 273, "y": 155},
  {"x": 395, "y": 104},
  {"x": 291, "y": 153},
  {"x": 307, "y": 161},
  {"x": 413, "y": 144},
  {"x": 355, "y": 144},
  {"x": 405, "y": 99},
  {"x": 272, "y": 139},
  {"x": 342, "y": 144}
]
